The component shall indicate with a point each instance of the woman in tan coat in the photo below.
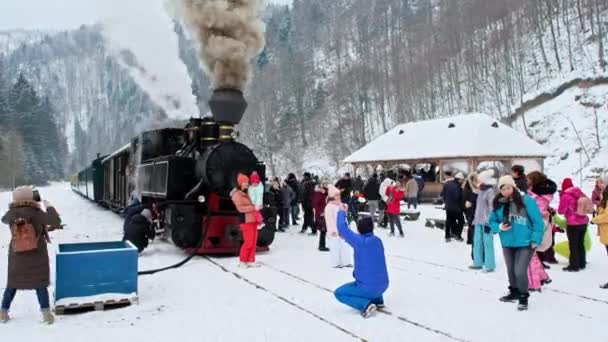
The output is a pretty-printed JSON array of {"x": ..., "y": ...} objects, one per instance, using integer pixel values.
[
  {"x": 29, "y": 270},
  {"x": 602, "y": 222}
]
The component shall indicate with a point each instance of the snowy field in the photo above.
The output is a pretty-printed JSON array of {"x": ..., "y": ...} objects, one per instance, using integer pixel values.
[{"x": 432, "y": 297}]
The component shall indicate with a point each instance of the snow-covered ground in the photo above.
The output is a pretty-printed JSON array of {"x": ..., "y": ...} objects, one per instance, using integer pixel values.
[{"x": 433, "y": 296}]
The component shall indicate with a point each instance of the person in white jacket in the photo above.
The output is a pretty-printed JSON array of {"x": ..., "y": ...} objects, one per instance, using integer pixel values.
[
  {"x": 341, "y": 254},
  {"x": 388, "y": 181}
]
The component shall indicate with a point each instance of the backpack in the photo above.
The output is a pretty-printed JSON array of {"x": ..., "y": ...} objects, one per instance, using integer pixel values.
[
  {"x": 584, "y": 206},
  {"x": 24, "y": 238}
]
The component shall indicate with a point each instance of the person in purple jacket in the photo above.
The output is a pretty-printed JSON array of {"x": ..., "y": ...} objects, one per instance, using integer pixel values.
[{"x": 371, "y": 275}]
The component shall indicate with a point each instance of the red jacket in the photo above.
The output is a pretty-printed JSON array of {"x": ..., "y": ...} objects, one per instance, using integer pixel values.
[
  {"x": 319, "y": 201},
  {"x": 394, "y": 204}
]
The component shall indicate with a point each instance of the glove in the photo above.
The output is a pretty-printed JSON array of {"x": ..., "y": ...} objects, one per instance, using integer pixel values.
[{"x": 487, "y": 230}]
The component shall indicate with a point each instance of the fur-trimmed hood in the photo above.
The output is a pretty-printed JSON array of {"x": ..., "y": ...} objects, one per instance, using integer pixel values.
[{"x": 24, "y": 204}]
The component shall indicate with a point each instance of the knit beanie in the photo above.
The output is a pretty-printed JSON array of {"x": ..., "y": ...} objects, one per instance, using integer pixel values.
[
  {"x": 567, "y": 184},
  {"x": 487, "y": 177},
  {"x": 241, "y": 178},
  {"x": 506, "y": 180},
  {"x": 23, "y": 193},
  {"x": 255, "y": 178},
  {"x": 365, "y": 225},
  {"x": 333, "y": 192}
]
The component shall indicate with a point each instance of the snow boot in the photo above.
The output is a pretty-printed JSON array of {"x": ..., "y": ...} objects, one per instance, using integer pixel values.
[
  {"x": 546, "y": 281},
  {"x": 571, "y": 269},
  {"x": 523, "y": 302},
  {"x": 545, "y": 266},
  {"x": 369, "y": 311},
  {"x": 402, "y": 235},
  {"x": 473, "y": 267},
  {"x": 47, "y": 317},
  {"x": 4, "y": 317},
  {"x": 512, "y": 296},
  {"x": 605, "y": 286},
  {"x": 459, "y": 239},
  {"x": 323, "y": 249}
]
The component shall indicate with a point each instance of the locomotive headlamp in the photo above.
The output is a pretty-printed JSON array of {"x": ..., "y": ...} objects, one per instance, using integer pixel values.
[{"x": 201, "y": 199}]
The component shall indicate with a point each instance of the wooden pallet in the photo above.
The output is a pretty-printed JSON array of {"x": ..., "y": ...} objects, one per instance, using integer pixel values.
[{"x": 78, "y": 308}]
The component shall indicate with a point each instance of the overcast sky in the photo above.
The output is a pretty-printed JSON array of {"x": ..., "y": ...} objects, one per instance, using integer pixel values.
[{"x": 56, "y": 14}]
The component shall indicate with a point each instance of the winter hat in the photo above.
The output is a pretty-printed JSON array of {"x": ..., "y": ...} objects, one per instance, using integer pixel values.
[
  {"x": 506, "y": 180},
  {"x": 487, "y": 177},
  {"x": 255, "y": 178},
  {"x": 332, "y": 191},
  {"x": 567, "y": 184},
  {"x": 241, "y": 178},
  {"x": 459, "y": 175},
  {"x": 23, "y": 193},
  {"x": 365, "y": 225},
  {"x": 147, "y": 214}
]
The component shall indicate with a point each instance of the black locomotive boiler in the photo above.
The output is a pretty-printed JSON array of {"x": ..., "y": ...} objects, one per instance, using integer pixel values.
[{"x": 186, "y": 176}]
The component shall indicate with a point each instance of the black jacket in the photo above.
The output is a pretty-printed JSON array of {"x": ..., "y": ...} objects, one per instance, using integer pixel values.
[
  {"x": 139, "y": 231},
  {"x": 358, "y": 184},
  {"x": 522, "y": 183},
  {"x": 453, "y": 196},
  {"x": 470, "y": 196},
  {"x": 130, "y": 211},
  {"x": 308, "y": 191},
  {"x": 295, "y": 186},
  {"x": 372, "y": 190},
  {"x": 347, "y": 186}
]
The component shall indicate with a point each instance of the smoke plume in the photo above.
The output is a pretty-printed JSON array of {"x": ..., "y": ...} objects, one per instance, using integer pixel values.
[
  {"x": 141, "y": 34},
  {"x": 230, "y": 34}
]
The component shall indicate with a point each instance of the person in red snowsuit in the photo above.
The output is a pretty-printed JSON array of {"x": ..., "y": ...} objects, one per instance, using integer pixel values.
[{"x": 249, "y": 222}]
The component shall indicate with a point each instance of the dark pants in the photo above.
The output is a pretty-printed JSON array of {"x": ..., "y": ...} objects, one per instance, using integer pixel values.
[
  {"x": 454, "y": 224},
  {"x": 383, "y": 218},
  {"x": 286, "y": 212},
  {"x": 549, "y": 254},
  {"x": 322, "y": 243},
  {"x": 395, "y": 219},
  {"x": 517, "y": 261},
  {"x": 309, "y": 219},
  {"x": 412, "y": 201},
  {"x": 281, "y": 213},
  {"x": 295, "y": 212},
  {"x": 42, "y": 294},
  {"x": 576, "y": 241}
]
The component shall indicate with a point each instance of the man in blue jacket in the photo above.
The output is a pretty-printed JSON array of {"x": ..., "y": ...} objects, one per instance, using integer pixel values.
[{"x": 371, "y": 274}]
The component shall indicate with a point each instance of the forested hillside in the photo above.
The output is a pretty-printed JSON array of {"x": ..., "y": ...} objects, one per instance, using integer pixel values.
[{"x": 336, "y": 73}]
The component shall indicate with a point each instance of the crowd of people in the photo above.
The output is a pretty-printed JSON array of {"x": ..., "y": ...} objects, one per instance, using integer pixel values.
[{"x": 517, "y": 207}]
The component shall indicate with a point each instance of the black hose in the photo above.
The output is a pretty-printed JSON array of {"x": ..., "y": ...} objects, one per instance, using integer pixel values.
[{"x": 188, "y": 258}]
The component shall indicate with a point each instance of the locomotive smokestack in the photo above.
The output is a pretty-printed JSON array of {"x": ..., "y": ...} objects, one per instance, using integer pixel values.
[{"x": 227, "y": 105}]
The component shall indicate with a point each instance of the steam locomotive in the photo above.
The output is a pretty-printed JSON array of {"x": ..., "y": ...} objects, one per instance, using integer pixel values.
[{"x": 185, "y": 176}]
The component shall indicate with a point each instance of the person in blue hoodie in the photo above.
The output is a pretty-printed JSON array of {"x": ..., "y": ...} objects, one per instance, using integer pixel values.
[
  {"x": 371, "y": 275},
  {"x": 519, "y": 222}
]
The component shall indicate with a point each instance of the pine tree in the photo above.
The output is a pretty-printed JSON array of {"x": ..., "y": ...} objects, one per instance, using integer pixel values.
[{"x": 4, "y": 110}]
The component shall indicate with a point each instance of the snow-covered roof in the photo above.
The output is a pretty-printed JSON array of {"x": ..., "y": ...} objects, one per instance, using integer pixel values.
[{"x": 464, "y": 136}]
